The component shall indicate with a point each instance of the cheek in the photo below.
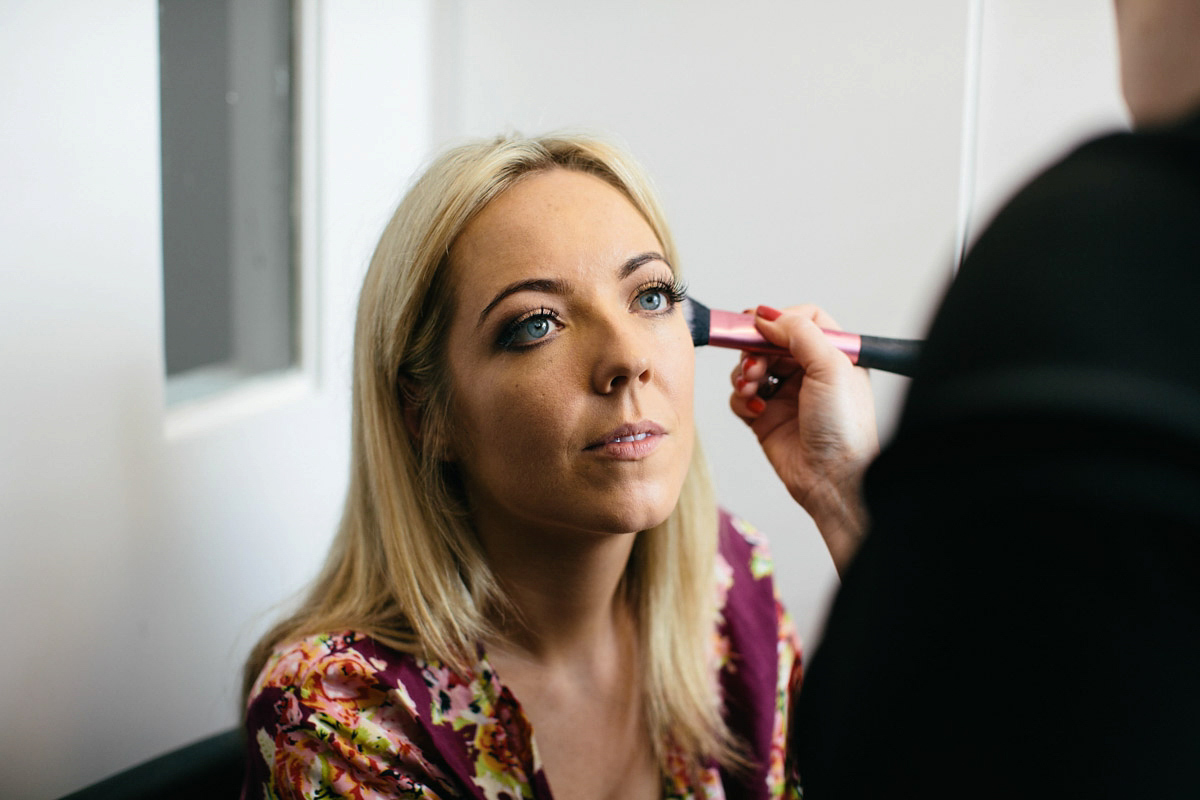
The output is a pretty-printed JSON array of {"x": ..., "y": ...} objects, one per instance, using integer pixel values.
[
  {"x": 513, "y": 416},
  {"x": 684, "y": 399},
  {"x": 679, "y": 372},
  {"x": 515, "y": 439}
]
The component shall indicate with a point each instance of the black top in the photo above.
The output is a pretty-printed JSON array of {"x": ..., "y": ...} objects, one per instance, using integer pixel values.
[{"x": 1024, "y": 617}]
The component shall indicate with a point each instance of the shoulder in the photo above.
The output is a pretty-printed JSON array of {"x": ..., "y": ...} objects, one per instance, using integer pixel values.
[
  {"x": 335, "y": 713},
  {"x": 344, "y": 715},
  {"x": 312, "y": 659},
  {"x": 340, "y": 670},
  {"x": 1122, "y": 200},
  {"x": 743, "y": 545},
  {"x": 747, "y": 597},
  {"x": 752, "y": 623},
  {"x": 744, "y": 571},
  {"x": 1115, "y": 198},
  {"x": 1106, "y": 235},
  {"x": 1122, "y": 179},
  {"x": 758, "y": 651}
]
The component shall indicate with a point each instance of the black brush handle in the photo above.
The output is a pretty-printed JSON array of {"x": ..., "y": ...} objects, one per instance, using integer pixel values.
[{"x": 890, "y": 355}]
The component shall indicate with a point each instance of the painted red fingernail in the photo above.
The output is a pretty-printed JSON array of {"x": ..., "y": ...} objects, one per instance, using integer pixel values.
[
  {"x": 748, "y": 362},
  {"x": 739, "y": 383},
  {"x": 768, "y": 313},
  {"x": 756, "y": 405}
]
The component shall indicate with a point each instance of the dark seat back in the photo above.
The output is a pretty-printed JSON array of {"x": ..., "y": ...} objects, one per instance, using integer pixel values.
[{"x": 209, "y": 768}]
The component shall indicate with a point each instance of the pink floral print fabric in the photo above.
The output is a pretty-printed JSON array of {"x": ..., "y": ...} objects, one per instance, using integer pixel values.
[{"x": 342, "y": 716}]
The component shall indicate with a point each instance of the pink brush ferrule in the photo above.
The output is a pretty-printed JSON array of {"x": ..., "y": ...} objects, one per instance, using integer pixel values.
[
  {"x": 848, "y": 343},
  {"x": 737, "y": 331}
]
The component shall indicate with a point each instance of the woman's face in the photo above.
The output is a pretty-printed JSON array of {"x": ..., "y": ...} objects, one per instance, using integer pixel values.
[{"x": 572, "y": 367}]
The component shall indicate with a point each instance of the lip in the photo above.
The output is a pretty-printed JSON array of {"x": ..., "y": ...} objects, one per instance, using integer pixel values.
[{"x": 631, "y": 441}]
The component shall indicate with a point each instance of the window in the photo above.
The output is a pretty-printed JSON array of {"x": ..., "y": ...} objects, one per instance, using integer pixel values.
[{"x": 230, "y": 285}]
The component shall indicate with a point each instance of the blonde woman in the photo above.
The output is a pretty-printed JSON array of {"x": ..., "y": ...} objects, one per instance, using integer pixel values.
[{"x": 532, "y": 586}]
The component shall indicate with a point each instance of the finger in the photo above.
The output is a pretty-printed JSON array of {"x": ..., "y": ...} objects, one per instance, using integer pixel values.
[
  {"x": 754, "y": 373},
  {"x": 757, "y": 366},
  {"x": 780, "y": 409},
  {"x": 753, "y": 369},
  {"x": 756, "y": 378},
  {"x": 742, "y": 385},
  {"x": 751, "y": 366},
  {"x": 799, "y": 330},
  {"x": 747, "y": 408}
]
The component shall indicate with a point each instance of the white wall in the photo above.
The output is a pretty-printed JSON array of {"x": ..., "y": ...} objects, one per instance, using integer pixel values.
[
  {"x": 1049, "y": 79},
  {"x": 805, "y": 152},
  {"x": 135, "y": 567}
]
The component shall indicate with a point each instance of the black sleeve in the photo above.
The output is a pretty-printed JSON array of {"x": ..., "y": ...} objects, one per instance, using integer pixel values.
[{"x": 1024, "y": 616}]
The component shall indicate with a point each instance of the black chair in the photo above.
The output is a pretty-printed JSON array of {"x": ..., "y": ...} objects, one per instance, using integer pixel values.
[{"x": 209, "y": 768}]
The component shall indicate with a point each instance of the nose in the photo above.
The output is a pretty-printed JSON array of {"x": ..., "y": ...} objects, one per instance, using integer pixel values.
[{"x": 623, "y": 355}]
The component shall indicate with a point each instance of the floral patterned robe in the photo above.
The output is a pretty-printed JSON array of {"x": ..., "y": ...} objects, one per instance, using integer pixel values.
[{"x": 340, "y": 715}]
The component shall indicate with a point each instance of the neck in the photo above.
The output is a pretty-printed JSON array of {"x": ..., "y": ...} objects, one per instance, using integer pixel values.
[
  {"x": 1160, "y": 59},
  {"x": 566, "y": 587}
]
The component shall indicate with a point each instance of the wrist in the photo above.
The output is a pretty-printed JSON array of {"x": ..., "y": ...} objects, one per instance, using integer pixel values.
[{"x": 841, "y": 517}]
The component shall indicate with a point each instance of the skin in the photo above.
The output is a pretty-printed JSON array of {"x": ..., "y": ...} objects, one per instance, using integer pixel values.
[
  {"x": 556, "y": 509},
  {"x": 818, "y": 430},
  {"x": 1159, "y": 42}
]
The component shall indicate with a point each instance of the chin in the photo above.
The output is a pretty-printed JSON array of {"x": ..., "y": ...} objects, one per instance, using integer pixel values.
[{"x": 633, "y": 514}]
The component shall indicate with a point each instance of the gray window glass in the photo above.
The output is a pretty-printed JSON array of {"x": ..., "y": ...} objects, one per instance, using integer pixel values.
[{"x": 229, "y": 277}]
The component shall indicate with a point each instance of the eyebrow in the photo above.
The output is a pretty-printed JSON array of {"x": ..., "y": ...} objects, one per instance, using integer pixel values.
[{"x": 555, "y": 286}]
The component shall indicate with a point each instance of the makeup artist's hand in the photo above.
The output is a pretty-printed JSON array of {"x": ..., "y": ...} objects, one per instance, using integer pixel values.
[{"x": 818, "y": 428}]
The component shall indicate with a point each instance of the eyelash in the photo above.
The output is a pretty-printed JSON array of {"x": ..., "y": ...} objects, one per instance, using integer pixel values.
[
  {"x": 513, "y": 328},
  {"x": 675, "y": 291}
]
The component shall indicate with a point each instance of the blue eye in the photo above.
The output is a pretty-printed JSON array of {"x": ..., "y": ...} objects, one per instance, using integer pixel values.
[
  {"x": 529, "y": 330},
  {"x": 659, "y": 295},
  {"x": 652, "y": 300},
  {"x": 535, "y": 328}
]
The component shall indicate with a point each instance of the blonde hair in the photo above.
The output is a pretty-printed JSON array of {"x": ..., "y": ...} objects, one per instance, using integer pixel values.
[{"x": 405, "y": 567}]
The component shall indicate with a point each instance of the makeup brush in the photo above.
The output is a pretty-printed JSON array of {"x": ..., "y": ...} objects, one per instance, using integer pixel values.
[{"x": 737, "y": 331}]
